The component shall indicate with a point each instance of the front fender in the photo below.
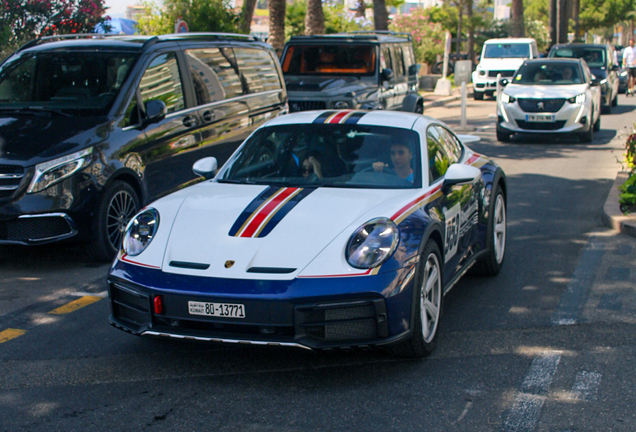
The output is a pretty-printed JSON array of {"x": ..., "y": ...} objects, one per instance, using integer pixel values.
[{"x": 411, "y": 101}]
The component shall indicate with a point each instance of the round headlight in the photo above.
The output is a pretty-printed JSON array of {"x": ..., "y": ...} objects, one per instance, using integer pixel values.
[
  {"x": 373, "y": 243},
  {"x": 341, "y": 105},
  {"x": 140, "y": 231}
]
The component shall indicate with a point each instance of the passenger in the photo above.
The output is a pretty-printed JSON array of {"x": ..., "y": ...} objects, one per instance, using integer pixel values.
[
  {"x": 401, "y": 156},
  {"x": 539, "y": 76},
  {"x": 566, "y": 74},
  {"x": 311, "y": 167}
]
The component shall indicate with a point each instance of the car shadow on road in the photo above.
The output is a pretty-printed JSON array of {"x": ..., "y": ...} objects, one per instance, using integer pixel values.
[{"x": 63, "y": 255}]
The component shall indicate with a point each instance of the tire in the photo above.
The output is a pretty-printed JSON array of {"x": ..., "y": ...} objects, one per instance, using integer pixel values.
[
  {"x": 615, "y": 101},
  {"x": 587, "y": 137},
  {"x": 503, "y": 136},
  {"x": 428, "y": 301},
  {"x": 597, "y": 124},
  {"x": 419, "y": 108},
  {"x": 119, "y": 203},
  {"x": 607, "y": 109},
  {"x": 496, "y": 240},
  {"x": 478, "y": 95}
]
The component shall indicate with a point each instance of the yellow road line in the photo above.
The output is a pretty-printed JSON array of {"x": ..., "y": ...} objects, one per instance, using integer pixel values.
[
  {"x": 75, "y": 305},
  {"x": 9, "y": 334}
]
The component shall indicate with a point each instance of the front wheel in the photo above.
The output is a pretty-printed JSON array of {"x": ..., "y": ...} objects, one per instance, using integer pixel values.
[
  {"x": 478, "y": 95},
  {"x": 496, "y": 241},
  {"x": 597, "y": 124},
  {"x": 118, "y": 205},
  {"x": 428, "y": 298}
]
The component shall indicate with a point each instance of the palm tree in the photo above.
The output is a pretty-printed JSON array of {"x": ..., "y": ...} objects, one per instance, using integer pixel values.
[
  {"x": 380, "y": 15},
  {"x": 516, "y": 18},
  {"x": 277, "y": 25},
  {"x": 315, "y": 18}
]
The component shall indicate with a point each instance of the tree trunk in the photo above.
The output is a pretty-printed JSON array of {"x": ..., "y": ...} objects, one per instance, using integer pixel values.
[
  {"x": 460, "y": 12},
  {"x": 361, "y": 9},
  {"x": 577, "y": 9},
  {"x": 516, "y": 18},
  {"x": 277, "y": 25},
  {"x": 247, "y": 13},
  {"x": 471, "y": 31},
  {"x": 380, "y": 15},
  {"x": 562, "y": 21},
  {"x": 315, "y": 18},
  {"x": 553, "y": 22}
]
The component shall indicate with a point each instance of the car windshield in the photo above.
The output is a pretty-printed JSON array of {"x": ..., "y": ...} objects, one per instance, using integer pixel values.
[
  {"x": 329, "y": 60},
  {"x": 594, "y": 57},
  {"x": 72, "y": 82},
  {"x": 331, "y": 155},
  {"x": 505, "y": 50},
  {"x": 556, "y": 73}
]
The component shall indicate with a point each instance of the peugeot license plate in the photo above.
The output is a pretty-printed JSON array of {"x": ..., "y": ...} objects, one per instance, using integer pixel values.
[
  {"x": 223, "y": 310},
  {"x": 540, "y": 118}
]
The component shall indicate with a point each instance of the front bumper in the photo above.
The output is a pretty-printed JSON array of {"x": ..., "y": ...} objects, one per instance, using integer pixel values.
[
  {"x": 569, "y": 118},
  {"x": 488, "y": 83},
  {"x": 309, "y": 313}
]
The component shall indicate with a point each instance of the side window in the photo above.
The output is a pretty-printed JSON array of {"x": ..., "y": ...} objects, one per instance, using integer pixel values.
[
  {"x": 258, "y": 68},
  {"x": 162, "y": 81},
  {"x": 214, "y": 73},
  {"x": 131, "y": 116},
  {"x": 535, "y": 51},
  {"x": 385, "y": 59},
  {"x": 438, "y": 160},
  {"x": 451, "y": 143},
  {"x": 408, "y": 60},
  {"x": 398, "y": 61}
]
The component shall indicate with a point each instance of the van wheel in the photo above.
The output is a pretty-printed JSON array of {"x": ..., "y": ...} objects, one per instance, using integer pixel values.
[
  {"x": 429, "y": 300},
  {"x": 478, "y": 95},
  {"x": 118, "y": 205},
  {"x": 419, "y": 108},
  {"x": 597, "y": 124}
]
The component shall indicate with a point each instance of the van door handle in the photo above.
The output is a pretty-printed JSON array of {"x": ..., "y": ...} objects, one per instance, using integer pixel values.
[
  {"x": 189, "y": 121},
  {"x": 208, "y": 116}
]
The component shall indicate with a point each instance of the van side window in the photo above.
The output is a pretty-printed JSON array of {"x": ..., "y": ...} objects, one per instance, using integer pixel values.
[
  {"x": 398, "y": 61},
  {"x": 258, "y": 68},
  {"x": 214, "y": 74},
  {"x": 385, "y": 59},
  {"x": 162, "y": 81}
]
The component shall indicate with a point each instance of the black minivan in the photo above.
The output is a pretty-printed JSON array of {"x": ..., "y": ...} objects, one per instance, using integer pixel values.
[{"x": 92, "y": 127}]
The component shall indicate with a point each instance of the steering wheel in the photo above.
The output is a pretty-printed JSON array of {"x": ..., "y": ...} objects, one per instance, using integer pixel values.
[{"x": 385, "y": 170}]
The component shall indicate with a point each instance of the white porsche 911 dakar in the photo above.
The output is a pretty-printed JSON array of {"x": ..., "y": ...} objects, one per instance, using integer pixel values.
[{"x": 325, "y": 229}]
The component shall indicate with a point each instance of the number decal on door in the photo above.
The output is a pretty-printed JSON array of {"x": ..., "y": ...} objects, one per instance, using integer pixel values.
[{"x": 452, "y": 232}]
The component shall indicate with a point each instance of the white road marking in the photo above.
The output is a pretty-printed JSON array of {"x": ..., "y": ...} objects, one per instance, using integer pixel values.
[
  {"x": 102, "y": 294},
  {"x": 469, "y": 404},
  {"x": 529, "y": 401},
  {"x": 586, "y": 386}
]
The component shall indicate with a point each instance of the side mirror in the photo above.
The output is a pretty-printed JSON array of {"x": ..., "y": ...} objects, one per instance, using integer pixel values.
[
  {"x": 504, "y": 82},
  {"x": 460, "y": 174},
  {"x": 205, "y": 167},
  {"x": 387, "y": 74},
  {"x": 156, "y": 111}
]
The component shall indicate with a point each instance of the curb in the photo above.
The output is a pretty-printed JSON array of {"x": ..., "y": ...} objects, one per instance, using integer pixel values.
[{"x": 613, "y": 217}]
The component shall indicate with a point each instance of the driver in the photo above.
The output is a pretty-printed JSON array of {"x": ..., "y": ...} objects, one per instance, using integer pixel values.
[{"x": 401, "y": 156}]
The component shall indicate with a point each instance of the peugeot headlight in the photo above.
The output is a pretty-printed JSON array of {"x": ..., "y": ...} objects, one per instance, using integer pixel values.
[
  {"x": 140, "y": 231},
  {"x": 373, "y": 243},
  {"x": 51, "y": 172},
  {"x": 578, "y": 99},
  {"x": 506, "y": 98}
]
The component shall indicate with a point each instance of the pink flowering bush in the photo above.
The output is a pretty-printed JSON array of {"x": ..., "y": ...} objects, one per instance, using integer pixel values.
[{"x": 428, "y": 36}]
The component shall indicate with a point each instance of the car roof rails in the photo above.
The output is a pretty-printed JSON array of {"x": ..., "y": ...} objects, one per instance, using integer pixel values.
[
  {"x": 210, "y": 36},
  {"x": 384, "y": 33},
  {"x": 44, "y": 39}
]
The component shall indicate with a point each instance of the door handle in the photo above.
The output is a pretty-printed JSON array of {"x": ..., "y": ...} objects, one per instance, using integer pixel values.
[
  {"x": 189, "y": 121},
  {"x": 208, "y": 116}
]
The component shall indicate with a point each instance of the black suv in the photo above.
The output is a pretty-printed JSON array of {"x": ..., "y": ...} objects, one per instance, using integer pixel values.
[
  {"x": 361, "y": 70},
  {"x": 94, "y": 127},
  {"x": 600, "y": 60}
]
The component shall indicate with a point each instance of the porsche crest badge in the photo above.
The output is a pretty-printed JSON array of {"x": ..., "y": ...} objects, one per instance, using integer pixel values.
[{"x": 229, "y": 263}]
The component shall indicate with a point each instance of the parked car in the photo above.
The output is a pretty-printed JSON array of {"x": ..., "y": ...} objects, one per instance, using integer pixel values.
[
  {"x": 555, "y": 96},
  {"x": 500, "y": 57},
  {"x": 361, "y": 70},
  {"x": 623, "y": 73},
  {"x": 600, "y": 59},
  {"x": 93, "y": 127},
  {"x": 355, "y": 250}
]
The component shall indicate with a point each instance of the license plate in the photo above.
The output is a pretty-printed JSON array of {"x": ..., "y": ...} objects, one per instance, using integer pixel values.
[
  {"x": 540, "y": 118},
  {"x": 223, "y": 310}
]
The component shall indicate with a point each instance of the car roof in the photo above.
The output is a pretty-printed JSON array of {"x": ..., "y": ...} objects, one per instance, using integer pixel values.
[
  {"x": 127, "y": 42},
  {"x": 509, "y": 40},
  {"x": 555, "y": 60},
  {"x": 577, "y": 44},
  {"x": 357, "y": 36},
  {"x": 396, "y": 119}
]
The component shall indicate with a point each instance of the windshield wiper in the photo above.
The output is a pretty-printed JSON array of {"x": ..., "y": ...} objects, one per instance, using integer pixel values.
[
  {"x": 232, "y": 181},
  {"x": 35, "y": 110}
]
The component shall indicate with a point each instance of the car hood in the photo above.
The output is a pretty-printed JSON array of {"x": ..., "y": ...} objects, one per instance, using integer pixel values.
[
  {"x": 28, "y": 139},
  {"x": 500, "y": 63},
  {"x": 327, "y": 86},
  {"x": 544, "y": 91},
  {"x": 201, "y": 228}
]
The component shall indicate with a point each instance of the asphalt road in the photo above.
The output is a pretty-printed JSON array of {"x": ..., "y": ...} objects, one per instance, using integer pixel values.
[{"x": 548, "y": 345}]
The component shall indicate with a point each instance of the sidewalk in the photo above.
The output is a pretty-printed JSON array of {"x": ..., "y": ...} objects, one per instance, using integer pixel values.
[{"x": 433, "y": 100}]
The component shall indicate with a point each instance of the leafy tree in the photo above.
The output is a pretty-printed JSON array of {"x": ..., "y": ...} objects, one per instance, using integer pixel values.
[
  {"x": 428, "y": 36},
  {"x": 336, "y": 20},
  {"x": 295, "y": 18},
  {"x": 153, "y": 22},
  {"x": 201, "y": 16}
]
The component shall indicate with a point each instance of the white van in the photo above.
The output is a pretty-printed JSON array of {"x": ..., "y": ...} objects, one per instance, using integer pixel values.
[{"x": 501, "y": 56}]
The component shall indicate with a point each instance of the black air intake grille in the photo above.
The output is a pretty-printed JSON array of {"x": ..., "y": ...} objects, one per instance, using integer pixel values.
[
  {"x": 540, "y": 126},
  {"x": 504, "y": 73},
  {"x": 35, "y": 229},
  {"x": 541, "y": 105},
  {"x": 10, "y": 178},
  {"x": 295, "y": 106}
]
